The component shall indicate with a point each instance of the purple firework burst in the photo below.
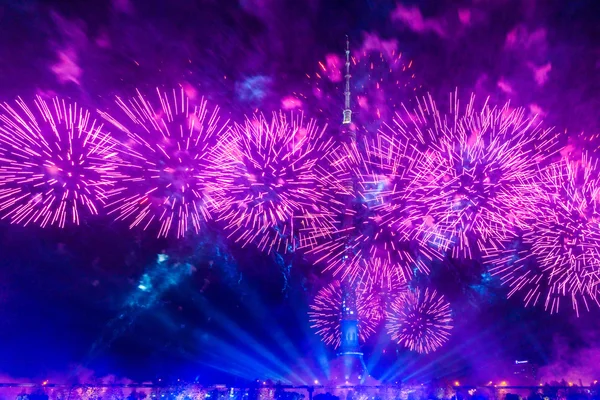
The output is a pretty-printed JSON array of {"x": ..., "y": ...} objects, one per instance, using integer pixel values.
[
  {"x": 326, "y": 313},
  {"x": 383, "y": 213},
  {"x": 55, "y": 162},
  {"x": 486, "y": 159},
  {"x": 420, "y": 320},
  {"x": 167, "y": 170},
  {"x": 559, "y": 254},
  {"x": 276, "y": 186}
]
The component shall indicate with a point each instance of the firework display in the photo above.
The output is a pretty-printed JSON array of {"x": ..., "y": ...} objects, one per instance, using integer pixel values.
[
  {"x": 166, "y": 170},
  {"x": 383, "y": 280},
  {"x": 300, "y": 200},
  {"x": 275, "y": 183},
  {"x": 381, "y": 277},
  {"x": 326, "y": 313},
  {"x": 486, "y": 159},
  {"x": 56, "y": 162},
  {"x": 386, "y": 213},
  {"x": 378, "y": 209},
  {"x": 559, "y": 254},
  {"x": 420, "y": 320}
]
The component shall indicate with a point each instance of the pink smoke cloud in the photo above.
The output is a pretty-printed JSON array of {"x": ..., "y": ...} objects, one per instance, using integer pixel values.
[
  {"x": 67, "y": 69},
  {"x": 372, "y": 42},
  {"x": 363, "y": 102},
  {"x": 505, "y": 86},
  {"x": 464, "y": 16},
  {"x": 290, "y": 103},
  {"x": 540, "y": 74},
  {"x": 567, "y": 150},
  {"x": 189, "y": 90},
  {"x": 535, "y": 109},
  {"x": 521, "y": 38},
  {"x": 73, "y": 41},
  {"x": 414, "y": 20},
  {"x": 333, "y": 67}
]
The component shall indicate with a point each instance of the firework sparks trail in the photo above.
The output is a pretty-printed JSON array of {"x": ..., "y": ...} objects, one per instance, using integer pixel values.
[
  {"x": 55, "y": 163},
  {"x": 326, "y": 313},
  {"x": 382, "y": 279},
  {"x": 386, "y": 216},
  {"x": 560, "y": 253},
  {"x": 420, "y": 321},
  {"x": 479, "y": 192},
  {"x": 167, "y": 169},
  {"x": 379, "y": 276},
  {"x": 380, "y": 79},
  {"x": 275, "y": 182}
]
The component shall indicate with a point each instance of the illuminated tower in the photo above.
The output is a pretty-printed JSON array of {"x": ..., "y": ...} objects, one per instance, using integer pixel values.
[
  {"x": 350, "y": 358},
  {"x": 349, "y": 324},
  {"x": 350, "y": 363},
  {"x": 347, "y": 111}
]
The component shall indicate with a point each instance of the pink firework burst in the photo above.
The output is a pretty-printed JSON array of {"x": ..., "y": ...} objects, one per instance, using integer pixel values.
[
  {"x": 383, "y": 213},
  {"x": 380, "y": 276},
  {"x": 559, "y": 254},
  {"x": 486, "y": 159},
  {"x": 55, "y": 163},
  {"x": 383, "y": 280},
  {"x": 276, "y": 187},
  {"x": 326, "y": 313},
  {"x": 167, "y": 169},
  {"x": 420, "y": 321}
]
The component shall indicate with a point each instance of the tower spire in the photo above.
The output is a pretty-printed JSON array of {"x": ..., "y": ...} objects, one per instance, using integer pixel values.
[{"x": 347, "y": 111}]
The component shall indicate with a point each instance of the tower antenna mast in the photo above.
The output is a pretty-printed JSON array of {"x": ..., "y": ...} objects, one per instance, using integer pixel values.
[{"x": 347, "y": 111}]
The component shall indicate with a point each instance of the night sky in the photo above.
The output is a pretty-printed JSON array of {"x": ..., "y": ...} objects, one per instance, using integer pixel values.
[{"x": 69, "y": 298}]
